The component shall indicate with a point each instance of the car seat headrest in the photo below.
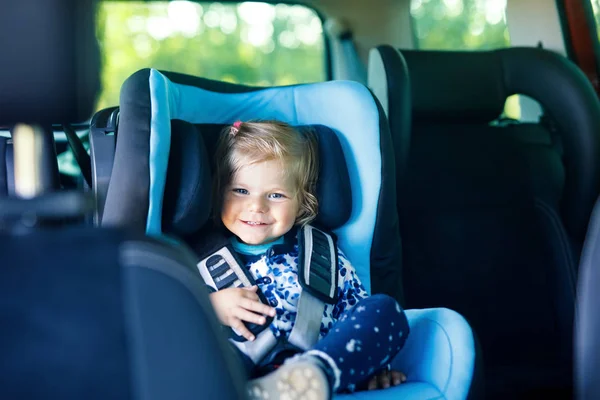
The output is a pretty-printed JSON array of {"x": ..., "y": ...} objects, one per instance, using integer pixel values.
[
  {"x": 187, "y": 196},
  {"x": 456, "y": 88},
  {"x": 472, "y": 87},
  {"x": 186, "y": 201},
  {"x": 50, "y": 69}
]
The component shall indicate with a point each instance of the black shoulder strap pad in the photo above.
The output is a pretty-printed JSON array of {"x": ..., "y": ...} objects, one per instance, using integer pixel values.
[
  {"x": 318, "y": 263},
  {"x": 221, "y": 268}
]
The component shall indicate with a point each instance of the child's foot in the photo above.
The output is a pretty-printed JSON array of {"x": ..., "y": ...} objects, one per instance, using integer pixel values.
[{"x": 301, "y": 380}]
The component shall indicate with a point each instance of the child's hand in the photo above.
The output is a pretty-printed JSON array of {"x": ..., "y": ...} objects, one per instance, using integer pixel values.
[
  {"x": 384, "y": 379},
  {"x": 235, "y": 305}
]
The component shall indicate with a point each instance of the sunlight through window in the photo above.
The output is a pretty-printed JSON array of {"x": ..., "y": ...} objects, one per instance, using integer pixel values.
[{"x": 250, "y": 43}]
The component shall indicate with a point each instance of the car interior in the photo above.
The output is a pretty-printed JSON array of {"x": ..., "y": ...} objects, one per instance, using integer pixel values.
[{"x": 460, "y": 142}]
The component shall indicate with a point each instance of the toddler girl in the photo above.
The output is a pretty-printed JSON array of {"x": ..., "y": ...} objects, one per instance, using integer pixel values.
[{"x": 266, "y": 178}]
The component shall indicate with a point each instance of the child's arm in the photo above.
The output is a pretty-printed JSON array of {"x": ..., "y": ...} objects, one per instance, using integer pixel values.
[{"x": 350, "y": 288}]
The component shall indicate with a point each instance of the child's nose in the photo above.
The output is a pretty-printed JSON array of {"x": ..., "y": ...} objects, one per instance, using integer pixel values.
[{"x": 257, "y": 205}]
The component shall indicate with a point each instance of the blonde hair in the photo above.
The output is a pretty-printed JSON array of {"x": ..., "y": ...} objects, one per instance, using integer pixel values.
[{"x": 246, "y": 143}]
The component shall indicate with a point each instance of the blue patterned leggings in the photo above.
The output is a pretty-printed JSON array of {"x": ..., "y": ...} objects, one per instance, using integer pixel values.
[
  {"x": 365, "y": 339},
  {"x": 362, "y": 342}
]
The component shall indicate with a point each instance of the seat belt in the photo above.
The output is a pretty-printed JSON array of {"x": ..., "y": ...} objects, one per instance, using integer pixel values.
[
  {"x": 81, "y": 155},
  {"x": 318, "y": 259},
  {"x": 346, "y": 63},
  {"x": 103, "y": 132},
  {"x": 317, "y": 272}
]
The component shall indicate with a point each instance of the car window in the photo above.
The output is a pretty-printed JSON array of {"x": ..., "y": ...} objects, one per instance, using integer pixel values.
[
  {"x": 250, "y": 43},
  {"x": 459, "y": 24}
]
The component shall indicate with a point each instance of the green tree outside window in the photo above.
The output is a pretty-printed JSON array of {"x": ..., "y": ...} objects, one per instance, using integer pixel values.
[{"x": 250, "y": 43}]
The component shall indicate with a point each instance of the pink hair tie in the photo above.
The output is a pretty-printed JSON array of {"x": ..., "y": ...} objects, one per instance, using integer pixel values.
[{"x": 235, "y": 128}]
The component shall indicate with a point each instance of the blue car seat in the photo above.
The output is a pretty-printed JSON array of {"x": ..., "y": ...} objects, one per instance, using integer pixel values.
[{"x": 166, "y": 120}]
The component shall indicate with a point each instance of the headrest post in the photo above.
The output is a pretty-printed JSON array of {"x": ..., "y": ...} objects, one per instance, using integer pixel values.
[{"x": 28, "y": 141}]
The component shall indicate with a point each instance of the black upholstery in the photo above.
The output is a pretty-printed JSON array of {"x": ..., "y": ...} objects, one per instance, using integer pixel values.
[
  {"x": 187, "y": 204},
  {"x": 130, "y": 322},
  {"x": 492, "y": 215},
  {"x": 103, "y": 128},
  {"x": 474, "y": 86},
  {"x": 49, "y": 74},
  {"x": 333, "y": 187},
  {"x": 49, "y": 46},
  {"x": 587, "y": 337}
]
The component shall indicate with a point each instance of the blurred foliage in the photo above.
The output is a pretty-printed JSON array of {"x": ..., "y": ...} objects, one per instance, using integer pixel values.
[
  {"x": 250, "y": 43},
  {"x": 460, "y": 24}
]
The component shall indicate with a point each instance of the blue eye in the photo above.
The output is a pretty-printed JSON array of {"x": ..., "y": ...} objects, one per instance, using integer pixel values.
[
  {"x": 276, "y": 196},
  {"x": 240, "y": 191}
]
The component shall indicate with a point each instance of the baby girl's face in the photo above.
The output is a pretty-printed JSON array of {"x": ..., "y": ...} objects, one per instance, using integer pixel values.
[{"x": 260, "y": 205}]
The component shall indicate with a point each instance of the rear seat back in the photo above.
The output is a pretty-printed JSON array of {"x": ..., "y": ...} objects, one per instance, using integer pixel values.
[{"x": 492, "y": 214}]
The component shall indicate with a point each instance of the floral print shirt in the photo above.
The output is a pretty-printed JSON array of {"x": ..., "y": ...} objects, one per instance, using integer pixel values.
[{"x": 275, "y": 271}]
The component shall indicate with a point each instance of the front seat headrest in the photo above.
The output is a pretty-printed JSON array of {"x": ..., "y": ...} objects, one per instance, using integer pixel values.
[{"x": 50, "y": 65}]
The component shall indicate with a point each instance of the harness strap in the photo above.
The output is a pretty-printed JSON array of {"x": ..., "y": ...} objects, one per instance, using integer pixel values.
[
  {"x": 304, "y": 334},
  {"x": 258, "y": 349},
  {"x": 221, "y": 270},
  {"x": 317, "y": 272},
  {"x": 318, "y": 262},
  {"x": 307, "y": 327}
]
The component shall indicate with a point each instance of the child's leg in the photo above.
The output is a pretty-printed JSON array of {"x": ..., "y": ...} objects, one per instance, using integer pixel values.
[{"x": 364, "y": 340}]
